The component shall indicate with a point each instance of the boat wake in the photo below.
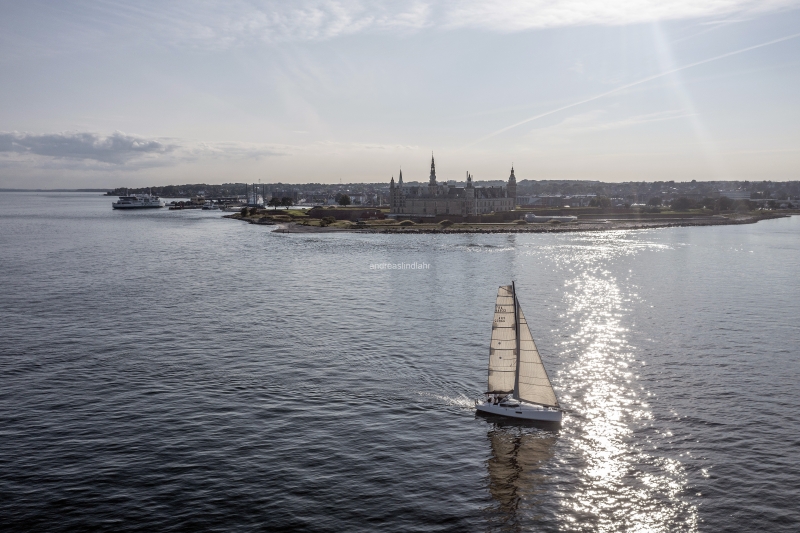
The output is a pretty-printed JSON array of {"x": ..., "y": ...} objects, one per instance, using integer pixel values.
[{"x": 461, "y": 401}]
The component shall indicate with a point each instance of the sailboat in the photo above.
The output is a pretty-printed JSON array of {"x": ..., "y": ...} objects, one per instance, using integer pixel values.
[{"x": 518, "y": 383}]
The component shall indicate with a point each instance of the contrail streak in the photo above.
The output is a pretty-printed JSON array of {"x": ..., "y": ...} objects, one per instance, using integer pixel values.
[{"x": 632, "y": 84}]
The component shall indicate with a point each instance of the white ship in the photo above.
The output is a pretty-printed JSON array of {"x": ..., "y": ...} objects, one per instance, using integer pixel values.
[
  {"x": 518, "y": 383},
  {"x": 137, "y": 201}
]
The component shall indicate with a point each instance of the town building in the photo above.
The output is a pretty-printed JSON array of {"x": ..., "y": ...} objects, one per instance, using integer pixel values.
[
  {"x": 435, "y": 200},
  {"x": 735, "y": 195}
]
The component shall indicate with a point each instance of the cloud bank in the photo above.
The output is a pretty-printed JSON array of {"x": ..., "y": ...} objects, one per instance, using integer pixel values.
[{"x": 118, "y": 150}]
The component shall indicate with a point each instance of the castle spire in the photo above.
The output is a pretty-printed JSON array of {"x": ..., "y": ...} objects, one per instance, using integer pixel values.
[
  {"x": 511, "y": 188},
  {"x": 433, "y": 172},
  {"x": 400, "y": 180}
]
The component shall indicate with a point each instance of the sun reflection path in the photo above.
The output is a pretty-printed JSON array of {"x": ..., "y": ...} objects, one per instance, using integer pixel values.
[{"x": 621, "y": 486}]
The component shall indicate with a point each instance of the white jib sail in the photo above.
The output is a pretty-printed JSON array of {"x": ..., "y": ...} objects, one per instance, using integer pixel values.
[
  {"x": 502, "y": 350},
  {"x": 534, "y": 385}
]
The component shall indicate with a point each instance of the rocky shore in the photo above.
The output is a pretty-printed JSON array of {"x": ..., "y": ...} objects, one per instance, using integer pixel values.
[{"x": 285, "y": 224}]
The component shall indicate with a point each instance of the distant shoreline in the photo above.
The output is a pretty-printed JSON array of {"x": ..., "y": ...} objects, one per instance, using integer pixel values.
[
  {"x": 586, "y": 225},
  {"x": 54, "y": 190}
]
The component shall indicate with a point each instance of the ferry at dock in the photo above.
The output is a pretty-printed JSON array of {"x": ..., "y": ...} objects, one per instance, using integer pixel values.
[{"x": 138, "y": 201}]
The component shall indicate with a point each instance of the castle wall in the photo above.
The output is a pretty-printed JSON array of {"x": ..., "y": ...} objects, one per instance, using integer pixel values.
[{"x": 433, "y": 206}]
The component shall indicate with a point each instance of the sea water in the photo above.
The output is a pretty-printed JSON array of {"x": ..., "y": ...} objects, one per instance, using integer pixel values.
[{"x": 173, "y": 370}]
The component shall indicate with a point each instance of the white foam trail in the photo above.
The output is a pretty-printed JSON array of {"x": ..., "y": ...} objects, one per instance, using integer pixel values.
[
  {"x": 460, "y": 401},
  {"x": 633, "y": 84}
]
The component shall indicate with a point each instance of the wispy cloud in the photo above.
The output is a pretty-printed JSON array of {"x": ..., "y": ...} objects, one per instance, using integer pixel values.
[
  {"x": 236, "y": 22},
  {"x": 191, "y": 150},
  {"x": 231, "y": 23},
  {"x": 523, "y": 15},
  {"x": 633, "y": 84},
  {"x": 596, "y": 121}
]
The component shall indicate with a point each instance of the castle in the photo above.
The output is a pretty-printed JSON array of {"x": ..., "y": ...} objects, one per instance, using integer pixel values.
[{"x": 436, "y": 200}]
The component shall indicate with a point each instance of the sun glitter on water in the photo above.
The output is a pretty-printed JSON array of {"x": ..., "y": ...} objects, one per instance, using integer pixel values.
[{"x": 622, "y": 486}]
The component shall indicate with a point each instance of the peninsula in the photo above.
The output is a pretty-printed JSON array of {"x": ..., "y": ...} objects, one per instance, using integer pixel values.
[{"x": 337, "y": 220}]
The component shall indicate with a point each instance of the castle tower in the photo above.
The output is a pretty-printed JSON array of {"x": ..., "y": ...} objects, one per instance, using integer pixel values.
[
  {"x": 470, "y": 203},
  {"x": 433, "y": 189},
  {"x": 392, "y": 200},
  {"x": 511, "y": 188},
  {"x": 400, "y": 194}
]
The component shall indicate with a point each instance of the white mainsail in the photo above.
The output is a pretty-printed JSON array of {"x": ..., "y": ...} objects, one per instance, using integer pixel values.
[
  {"x": 523, "y": 373},
  {"x": 533, "y": 384},
  {"x": 503, "y": 348}
]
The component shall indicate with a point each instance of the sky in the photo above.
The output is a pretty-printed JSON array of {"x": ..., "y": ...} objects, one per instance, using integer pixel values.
[{"x": 108, "y": 93}]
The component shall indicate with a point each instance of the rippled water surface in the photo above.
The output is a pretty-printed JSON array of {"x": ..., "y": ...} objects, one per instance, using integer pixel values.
[{"x": 172, "y": 370}]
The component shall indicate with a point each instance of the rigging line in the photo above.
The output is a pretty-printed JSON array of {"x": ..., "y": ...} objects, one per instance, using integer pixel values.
[{"x": 633, "y": 84}]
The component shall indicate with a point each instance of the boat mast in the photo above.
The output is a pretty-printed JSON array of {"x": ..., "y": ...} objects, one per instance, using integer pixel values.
[{"x": 516, "y": 334}]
